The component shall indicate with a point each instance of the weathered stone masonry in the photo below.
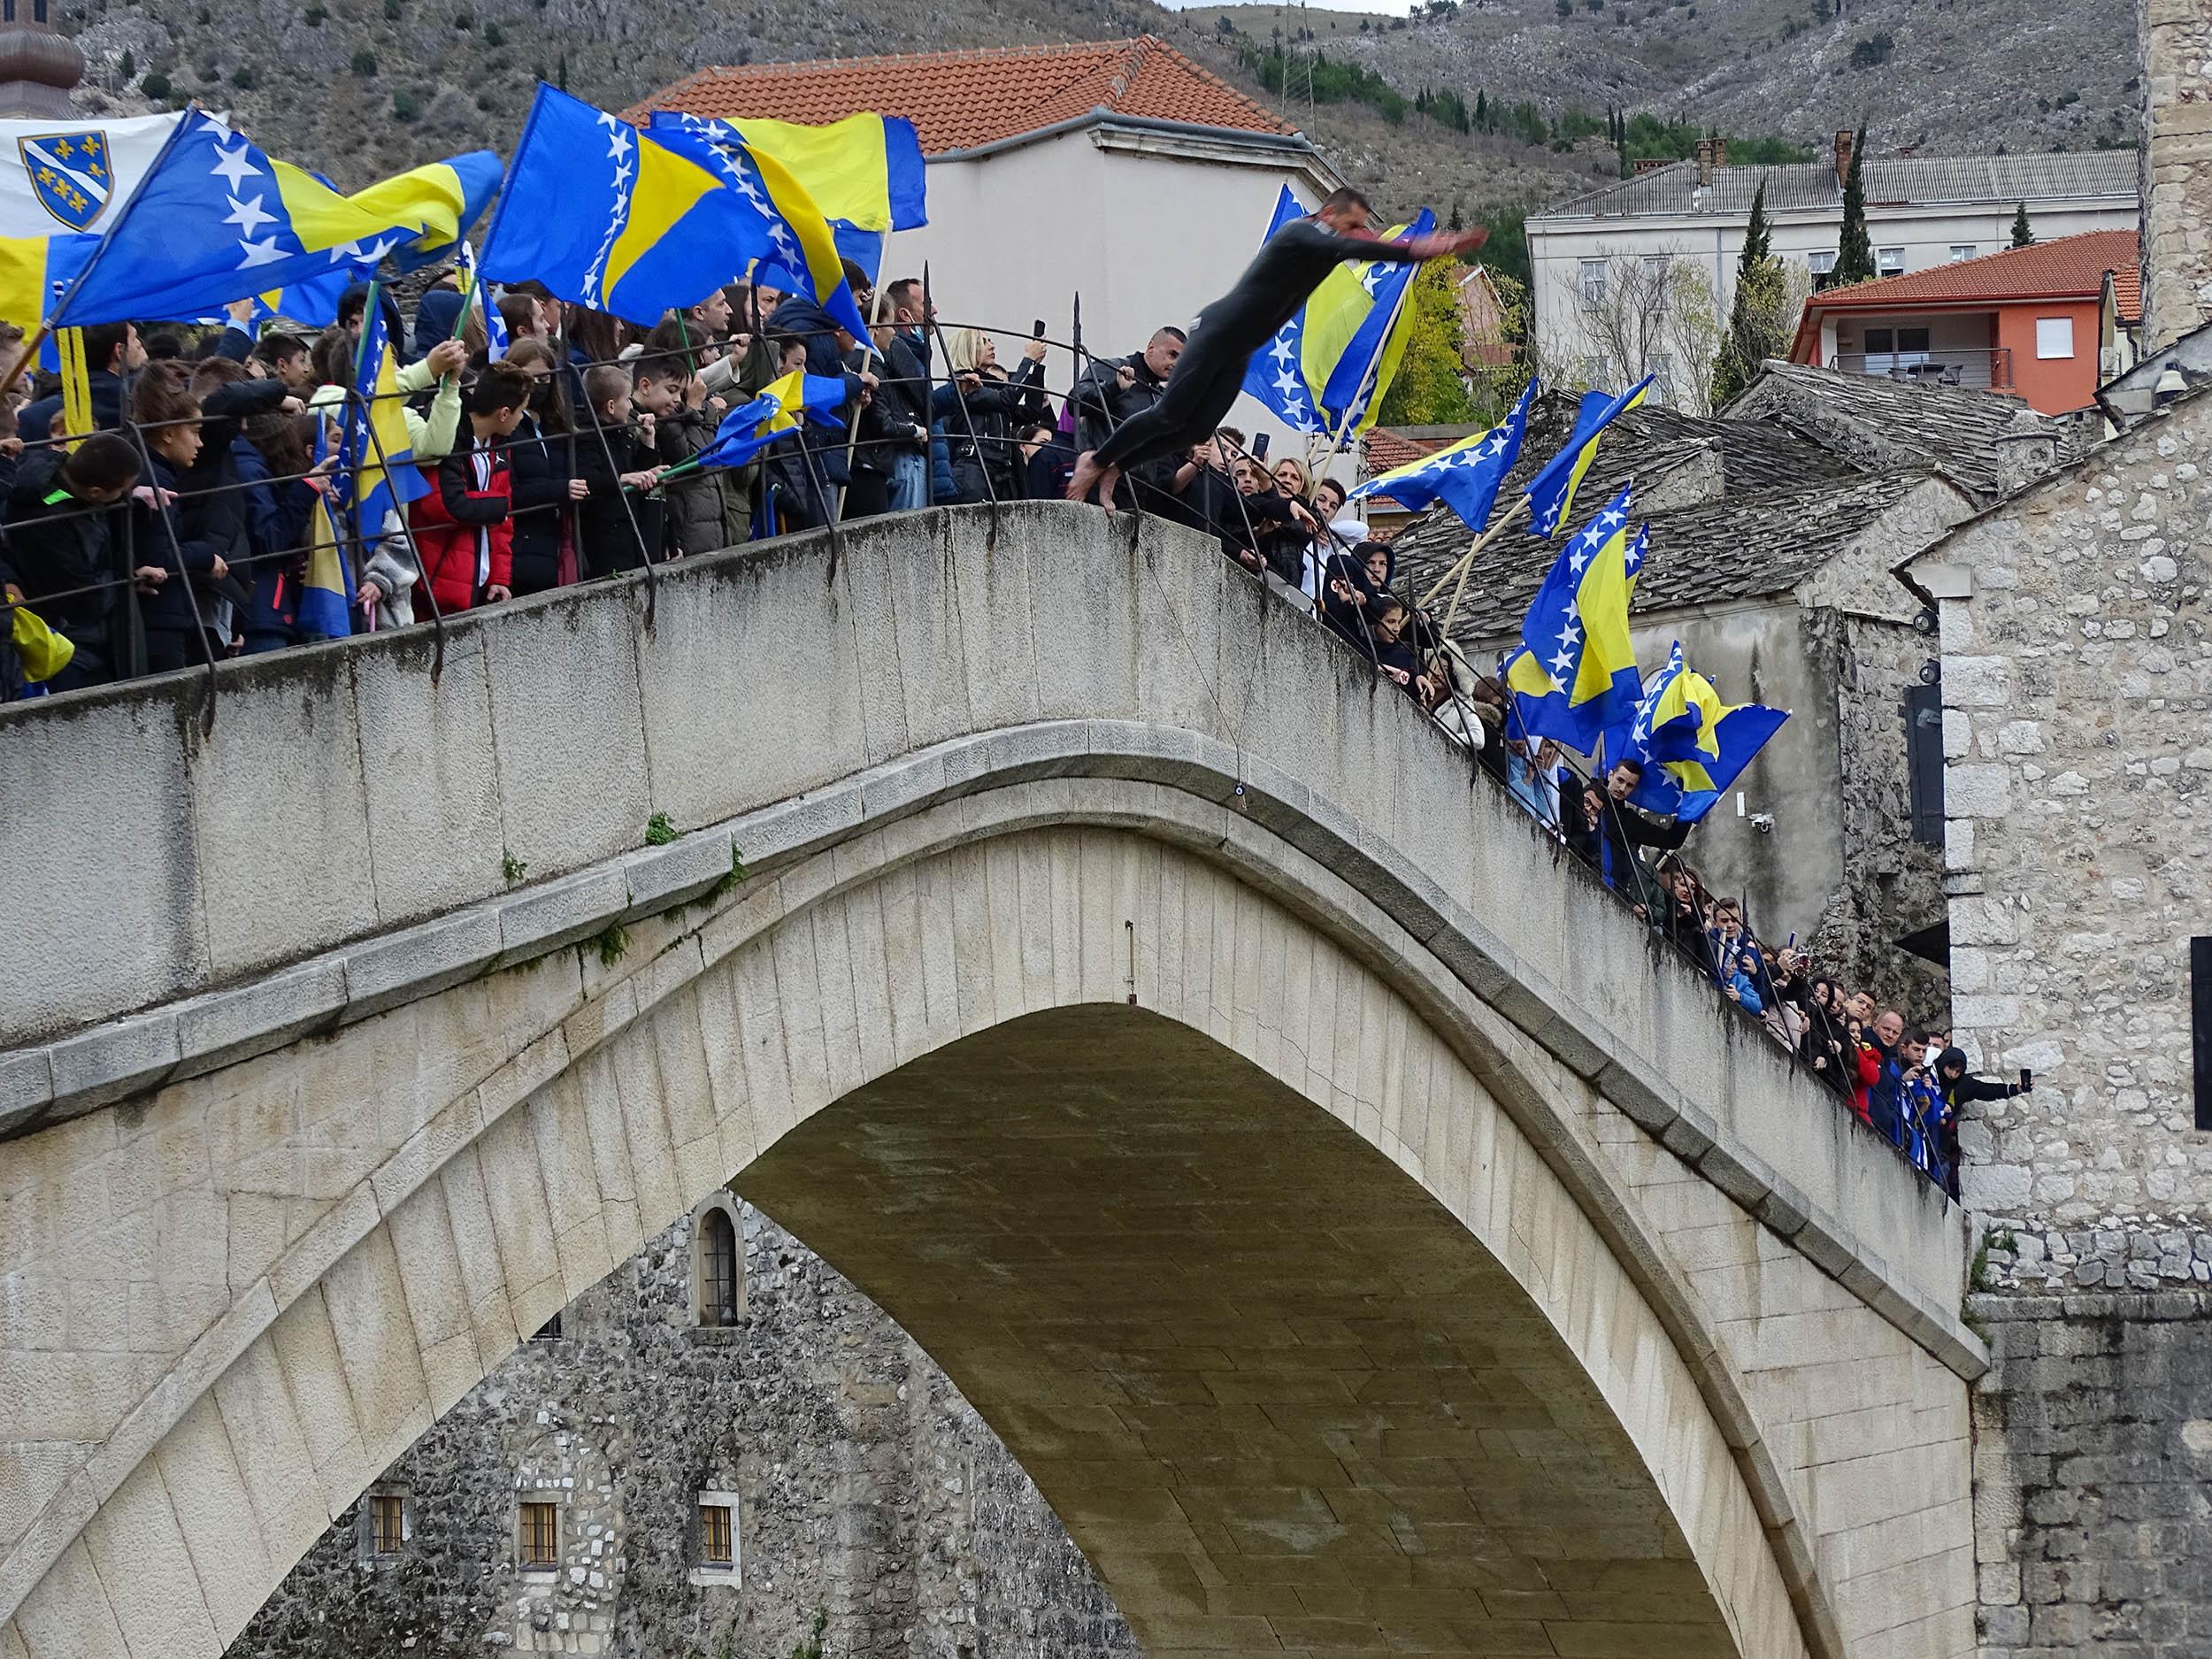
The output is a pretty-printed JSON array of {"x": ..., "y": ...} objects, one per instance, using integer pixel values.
[{"x": 869, "y": 1488}]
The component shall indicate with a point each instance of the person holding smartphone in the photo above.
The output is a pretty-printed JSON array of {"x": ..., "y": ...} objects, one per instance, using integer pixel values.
[{"x": 1956, "y": 1088}]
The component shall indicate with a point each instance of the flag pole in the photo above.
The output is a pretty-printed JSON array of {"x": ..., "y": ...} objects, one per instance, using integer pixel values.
[
  {"x": 1372, "y": 372},
  {"x": 1461, "y": 566}
]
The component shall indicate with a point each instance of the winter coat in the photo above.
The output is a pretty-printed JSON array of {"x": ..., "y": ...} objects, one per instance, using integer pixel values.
[
  {"x": 464, "y": 528},
  {"x": 35, "y": 422},
  {"x": 983, "y": 427},
  {"x": 185, "y": 540},
  {"x": 277, "y": 533},
  {"x": 612, "y": 536},
  {"x": 537, "y": 494}
]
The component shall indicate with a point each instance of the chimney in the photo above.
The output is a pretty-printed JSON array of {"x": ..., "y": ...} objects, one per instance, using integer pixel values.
[
  {"x": 1704, "y": 163},
  {"x": 1843, "y": 157},
  {"x": 1720, "y": 152},
  {"x": 2176, "y": 183},
  {"x": 1651, "y": 163}
]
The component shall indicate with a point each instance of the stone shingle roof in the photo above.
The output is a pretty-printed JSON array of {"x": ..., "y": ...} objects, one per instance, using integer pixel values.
[
  {"x": 959, "y": 100},
  {"x": 1739, "y": 546},
  {"x": 1877, "y": 424},
  {"x": 1903, "y": 180},
  {"x": 2071, "y": 267}
]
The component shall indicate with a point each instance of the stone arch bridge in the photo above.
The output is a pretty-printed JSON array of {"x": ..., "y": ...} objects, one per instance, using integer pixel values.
[{"x": 1363, "y": 1237}]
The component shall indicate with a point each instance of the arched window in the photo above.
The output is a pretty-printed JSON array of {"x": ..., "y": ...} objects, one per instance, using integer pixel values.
[{"x": 721, "y": 1297}]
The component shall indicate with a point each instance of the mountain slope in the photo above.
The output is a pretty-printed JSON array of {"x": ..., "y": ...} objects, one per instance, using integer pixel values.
[{"x": 361, "y": 87}]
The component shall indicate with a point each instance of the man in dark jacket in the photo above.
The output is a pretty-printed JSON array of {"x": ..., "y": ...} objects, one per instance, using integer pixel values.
[
  {"x": 1114, "y": 390},
  {"x": 61, "y": 541},
  {"x": 1622, "y": 828},
  {"x": 111, "y": 351},
  {"x": 904, "y": 394}
]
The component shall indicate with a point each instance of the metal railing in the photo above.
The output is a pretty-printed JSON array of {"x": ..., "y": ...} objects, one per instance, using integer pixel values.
[{"x": 1983, "y": 369}]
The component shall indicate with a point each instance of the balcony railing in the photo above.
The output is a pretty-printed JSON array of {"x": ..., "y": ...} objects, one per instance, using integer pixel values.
[{"x": 1984, "y": 369}]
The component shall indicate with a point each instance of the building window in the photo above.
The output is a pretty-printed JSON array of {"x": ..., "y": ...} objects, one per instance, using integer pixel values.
[
  {"x": 716, "y": 1546},
  {"x": 717, "y": 1264},
  {"x": 539, "y": 1537},
  {"x": 1660, "y": 366},
  {"x": 1960, "y": 250},
  {"x": 1889, "y": 262},
  {"x": 715, "y": 1550},
  {"x": 1822, "y": 263},
  {"x": 550, "y": 1332},
  {"x": 1656, "y": 266},
  {"x": 1893, "y": 349},
  {"x": 388, "y": 1525},
  {"x": 2053, "y": 337},
  {"x": 1594, "y": 282}
]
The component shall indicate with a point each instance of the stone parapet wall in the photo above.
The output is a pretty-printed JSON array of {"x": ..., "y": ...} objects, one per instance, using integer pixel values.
[{"x": 868, "y": 1490}]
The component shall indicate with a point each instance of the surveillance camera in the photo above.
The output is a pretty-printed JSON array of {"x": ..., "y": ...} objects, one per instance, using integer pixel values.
[{"x": 1764, "y": 822}]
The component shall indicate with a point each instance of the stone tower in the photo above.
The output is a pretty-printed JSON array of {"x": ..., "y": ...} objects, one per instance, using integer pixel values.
[
  {"x": 2176, "y": 169},
  {"x": 38, "y": 68}
]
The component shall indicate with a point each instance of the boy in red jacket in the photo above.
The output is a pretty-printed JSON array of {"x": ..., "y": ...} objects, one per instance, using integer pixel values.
[{"x": 462, "y": 529}]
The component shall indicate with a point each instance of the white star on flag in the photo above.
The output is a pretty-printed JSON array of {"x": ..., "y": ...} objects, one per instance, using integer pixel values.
[
  {"x": 618, "y": 144},
  {"x": 256, "y": 253},
  {"x": 248, "y": 215},
  {"x": 236, "y": 165}
]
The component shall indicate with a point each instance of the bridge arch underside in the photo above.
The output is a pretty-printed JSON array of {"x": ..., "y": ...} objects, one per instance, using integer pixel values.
[
  {"x": 1516, "y": 1303},
  {"x": 1282, "y": 1398}
]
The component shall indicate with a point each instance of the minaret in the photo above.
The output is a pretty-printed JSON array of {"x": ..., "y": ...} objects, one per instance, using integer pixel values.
[{"x": 38, "y": 68}]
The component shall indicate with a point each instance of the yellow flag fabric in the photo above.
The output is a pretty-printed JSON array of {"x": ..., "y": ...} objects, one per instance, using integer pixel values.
[{"x": 43, "y": 652}]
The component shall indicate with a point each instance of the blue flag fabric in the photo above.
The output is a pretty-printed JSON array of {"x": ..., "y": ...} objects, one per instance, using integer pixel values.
[
  {"x": 752, "y": 427},
  {"x": 639, "y": 224},
  {"x": 1465, "y": 476},
  {"x": 326, "y": 594},
  {"x": 1691, "y": 746},
  {"x": 1575, "y": 676},
  {"x": 217, "y": 220},
  {"x": 1551, "y": 493},
  {"x": 381, "y": 470}
]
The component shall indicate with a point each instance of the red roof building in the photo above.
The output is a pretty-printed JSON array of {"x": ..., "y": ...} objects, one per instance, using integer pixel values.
[
  {"x": 961, "y": 101},
  {"x": 2047, "y": 323}
]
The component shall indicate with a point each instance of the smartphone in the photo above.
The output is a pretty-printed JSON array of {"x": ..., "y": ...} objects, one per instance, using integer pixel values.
[
  {"x": 1037, "y": 329},
  {"x": 1259, "y": 446}
]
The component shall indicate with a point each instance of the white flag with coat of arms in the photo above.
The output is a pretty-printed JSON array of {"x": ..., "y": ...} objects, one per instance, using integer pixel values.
[{"x": 71, "y": 175}]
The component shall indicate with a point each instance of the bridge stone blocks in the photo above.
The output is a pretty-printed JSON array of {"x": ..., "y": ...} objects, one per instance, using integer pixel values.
[{"x": 383, "y": 1162}]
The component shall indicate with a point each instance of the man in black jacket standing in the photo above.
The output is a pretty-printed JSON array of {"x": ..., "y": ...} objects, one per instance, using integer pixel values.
[
  {"x": 1116, "y": 390},
  {"x": 111, "y": 351},
  {"x": 904, "y": 393}
]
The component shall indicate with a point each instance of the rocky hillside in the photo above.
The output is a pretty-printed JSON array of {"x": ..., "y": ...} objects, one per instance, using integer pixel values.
[{"x": 358, "y": 87}]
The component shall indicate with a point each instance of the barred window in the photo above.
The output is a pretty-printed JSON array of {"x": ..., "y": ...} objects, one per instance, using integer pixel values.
[
  {"x": 716, "y": 1535},
  {"x": 718, "y": 1269},
  {"x": 541, "y": 1535},
  {"x": 385, "y": 1520}
]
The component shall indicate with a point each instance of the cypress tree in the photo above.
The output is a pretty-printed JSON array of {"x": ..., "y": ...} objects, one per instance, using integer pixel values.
[
  {"x": 1756, "y": 320},
  {"x": 2022, "y": 233},
  {"x": 1855, "y": 249}
]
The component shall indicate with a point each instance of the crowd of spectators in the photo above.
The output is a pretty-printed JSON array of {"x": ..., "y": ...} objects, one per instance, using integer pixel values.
[{"x": 176, "y": 534}]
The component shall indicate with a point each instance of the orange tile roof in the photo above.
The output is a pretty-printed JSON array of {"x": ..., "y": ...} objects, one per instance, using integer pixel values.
[
  {"x": 958, "y": 100},
  {"x": 2072, "y": 267},
  {"x": 1387, "y": 450}
]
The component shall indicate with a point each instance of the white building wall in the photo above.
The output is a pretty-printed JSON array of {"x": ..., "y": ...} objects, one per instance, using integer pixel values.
[
  {"x": 1558, "y": 248},
  {"x": 1145, "y": 235}
]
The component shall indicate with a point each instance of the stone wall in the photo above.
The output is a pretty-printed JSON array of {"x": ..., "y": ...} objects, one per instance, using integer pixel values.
[
  {"x": 2090, "y": 1525},
  {"x": 2078, "y": 727},
  {"x": 2177, "y": 168},
  {"x": 868, "y": 1489}
]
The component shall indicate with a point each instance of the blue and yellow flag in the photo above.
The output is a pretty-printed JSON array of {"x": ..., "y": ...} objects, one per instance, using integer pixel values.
[
  {"x": 1575, "y": 674},
  {"x": 1465, "y": 476},
  {"x": 325, "y": 610},
  {"x": 1327, "y": 368},
  {"x": 865, "y": 172},
  {"x": 1551, "y": 493},
  {"x": 217, "y": 220},
  {"x": 752, "y": 427},
  {"x": 378, "y": 455},
  {"x": 612, "y": 217},
  {"x": 1691, "y": 744}
]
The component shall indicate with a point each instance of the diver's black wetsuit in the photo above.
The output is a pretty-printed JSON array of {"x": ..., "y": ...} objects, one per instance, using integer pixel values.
[{"x": 1207, "y": 376}]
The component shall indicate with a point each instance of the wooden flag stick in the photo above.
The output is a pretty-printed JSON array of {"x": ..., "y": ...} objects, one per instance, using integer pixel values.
[{"x": 1466, "y": 562}]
